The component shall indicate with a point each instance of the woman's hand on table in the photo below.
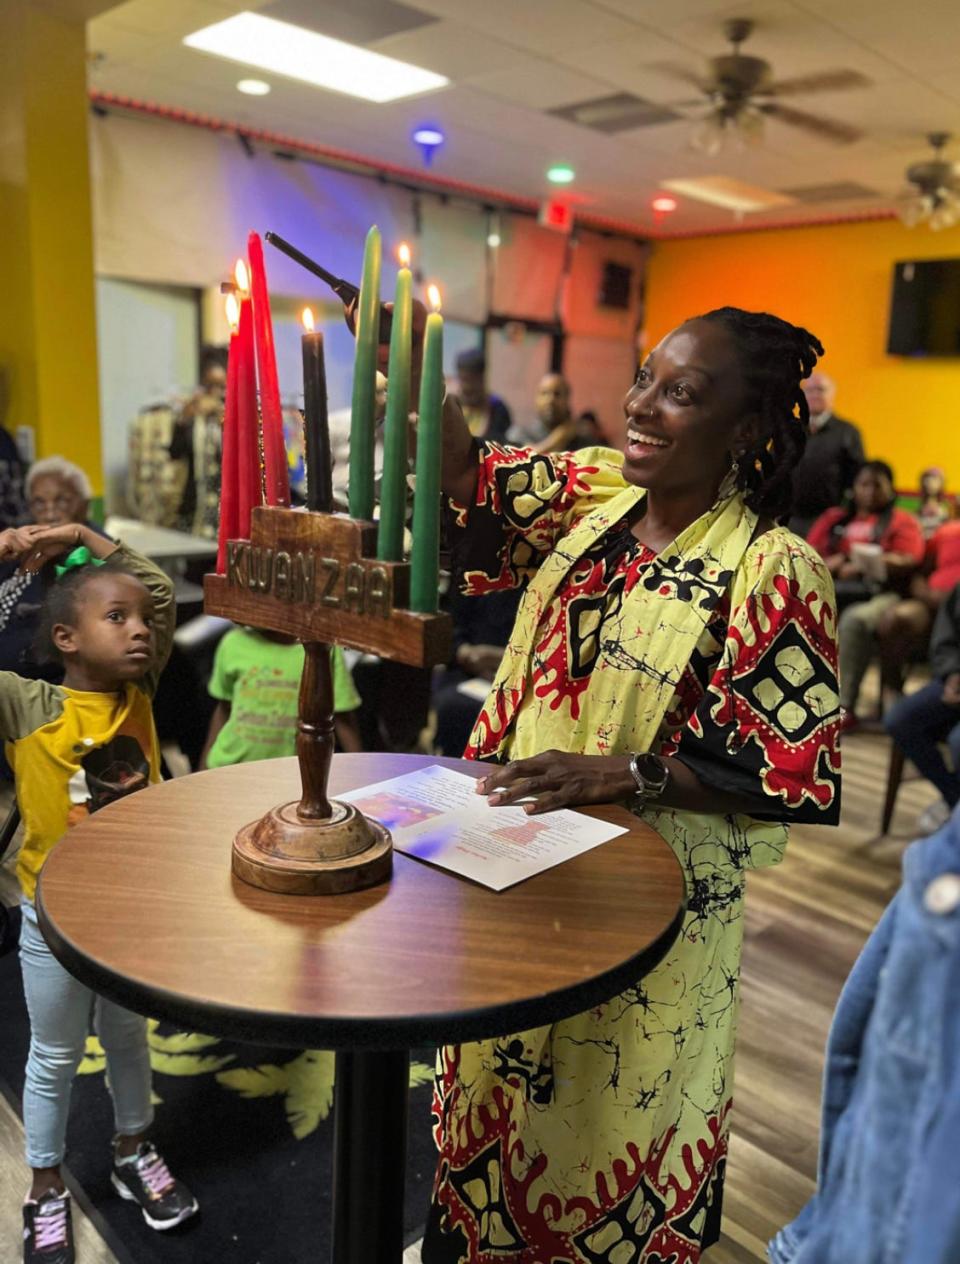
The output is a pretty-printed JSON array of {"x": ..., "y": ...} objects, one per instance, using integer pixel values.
[{"x": 559, "y": 780}]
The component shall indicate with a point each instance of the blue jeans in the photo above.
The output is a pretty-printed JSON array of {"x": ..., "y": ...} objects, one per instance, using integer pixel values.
[
  {"x": 60, "y": 1010},
  {"x": 918, "y": 724}
]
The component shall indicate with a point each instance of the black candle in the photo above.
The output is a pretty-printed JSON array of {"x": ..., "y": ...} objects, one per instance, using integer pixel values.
[{"x": 316, "y": 430}]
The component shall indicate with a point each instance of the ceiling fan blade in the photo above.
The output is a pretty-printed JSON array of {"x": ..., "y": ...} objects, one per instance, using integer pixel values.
[
  {"x": 822, "y": 81},
  {"x": 815, "y": 124}
]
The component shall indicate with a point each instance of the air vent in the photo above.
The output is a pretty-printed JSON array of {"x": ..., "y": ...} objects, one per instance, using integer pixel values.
[
  {"x": 617, "y": 113},
  {"x": 842, "y": 191}
]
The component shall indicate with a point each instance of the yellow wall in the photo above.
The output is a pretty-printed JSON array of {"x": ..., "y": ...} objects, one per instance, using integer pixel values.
[
  {"x": 836, "y": 281},
  {"x": 48, "y": 350}
]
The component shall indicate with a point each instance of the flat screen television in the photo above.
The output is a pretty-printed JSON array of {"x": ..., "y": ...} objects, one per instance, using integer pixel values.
[{"x": 925, "y": 308}]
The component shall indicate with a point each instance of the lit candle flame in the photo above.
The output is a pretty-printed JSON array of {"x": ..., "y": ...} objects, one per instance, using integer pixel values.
[
  {"x": 242, "y": 277},
  {"x": 233, "y": 312},
  {"x": 403, "y": 254},
  {"x": 433, "y": 294},
  {"x": 307, "y": 319}
]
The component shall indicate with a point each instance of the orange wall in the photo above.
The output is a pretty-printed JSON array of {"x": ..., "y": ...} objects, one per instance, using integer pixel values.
[{"x": 835, "y": 281}]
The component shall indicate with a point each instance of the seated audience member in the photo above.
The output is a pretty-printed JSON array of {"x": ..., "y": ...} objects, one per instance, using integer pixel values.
[
  {"x": 339, "y": 425},
  {"x": 13, "y": 510},
  {"x": 823, "y": 477},
  {"x": 889, "y": 1165},
  {"x": 57, "y": 492},
  {"x": 936, "y": 507},
  {"x": 589, "y": 432},
  {"x": 487, "y": 415},
  {"x": 481, "y": 628},
  {"x": 903, "y": 632},
  {"x": 922, "y": 720},
  {"x": 872, "y": 551},
  {"x": 552, "y": 419},
  {"x": 256, "y": 684},
  {"x": 558, "y": 426}
]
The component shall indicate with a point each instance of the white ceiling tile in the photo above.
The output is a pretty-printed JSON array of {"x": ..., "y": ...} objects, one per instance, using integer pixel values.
[
  {"x": 541, "y": 85},
  {"x": 545, "y": 26},
  {"x": 451, "y": 49},
  {"x": 922, "y": 37}
]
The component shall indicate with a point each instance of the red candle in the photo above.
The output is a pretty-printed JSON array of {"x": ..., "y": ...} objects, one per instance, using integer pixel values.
[
  {"x": 249, "y": 483},
  {"x": 229, "y": 468},
  {"x": 276, "y": 475}
]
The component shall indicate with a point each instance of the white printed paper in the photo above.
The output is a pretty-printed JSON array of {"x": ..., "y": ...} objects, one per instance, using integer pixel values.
[{"x": 436, "y": 815}]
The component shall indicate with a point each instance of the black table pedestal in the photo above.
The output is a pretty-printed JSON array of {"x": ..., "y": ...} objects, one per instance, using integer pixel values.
[{"x": 369, "y": 1156}]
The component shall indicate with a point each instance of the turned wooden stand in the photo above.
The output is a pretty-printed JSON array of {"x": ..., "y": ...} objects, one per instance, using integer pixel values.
[{"x": 314, "y": 576}]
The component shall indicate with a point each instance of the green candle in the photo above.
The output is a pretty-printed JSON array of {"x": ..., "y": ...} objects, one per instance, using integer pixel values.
[
  {"x": 363, "y": 411},
  {"x": 425, "y": 561},
  {"x": 393, "y": 487}
]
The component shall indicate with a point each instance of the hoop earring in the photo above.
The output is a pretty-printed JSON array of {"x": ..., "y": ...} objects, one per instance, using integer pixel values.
[{"x": 728, "y": 484}]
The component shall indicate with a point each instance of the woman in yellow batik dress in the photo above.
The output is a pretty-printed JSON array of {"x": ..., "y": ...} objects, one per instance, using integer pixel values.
[{"x": 675, "y": 649}]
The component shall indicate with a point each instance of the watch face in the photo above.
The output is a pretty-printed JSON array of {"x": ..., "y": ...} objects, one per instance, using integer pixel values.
[{"x": 653, "y": 771}]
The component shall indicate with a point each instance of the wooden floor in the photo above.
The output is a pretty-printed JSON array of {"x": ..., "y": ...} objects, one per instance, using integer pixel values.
[{"x": 806, "y": 922}]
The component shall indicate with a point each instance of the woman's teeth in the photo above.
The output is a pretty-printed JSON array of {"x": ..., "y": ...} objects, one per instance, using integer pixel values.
[{"x": 650, "y": 440}]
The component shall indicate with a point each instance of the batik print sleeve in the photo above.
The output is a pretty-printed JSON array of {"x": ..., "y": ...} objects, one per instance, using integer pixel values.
[
  {"x": 767, "y": 728},
  {"x": 525, "y": 502}
]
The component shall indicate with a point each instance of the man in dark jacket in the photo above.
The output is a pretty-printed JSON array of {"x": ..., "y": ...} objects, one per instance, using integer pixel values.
[
  {"x": 921, "y": 722},
  {"x": 824, "y": 476}
]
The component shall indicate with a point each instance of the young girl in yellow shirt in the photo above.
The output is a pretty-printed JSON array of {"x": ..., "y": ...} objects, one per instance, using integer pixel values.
[{"x": 75, "y": 747}]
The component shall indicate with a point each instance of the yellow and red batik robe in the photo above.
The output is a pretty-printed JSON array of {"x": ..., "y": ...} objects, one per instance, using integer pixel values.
[{"x": 602, "y": 1139}]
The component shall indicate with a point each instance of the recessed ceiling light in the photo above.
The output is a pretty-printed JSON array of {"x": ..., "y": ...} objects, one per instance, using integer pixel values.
[
  {"x": 253, "y": 87},
  {"x": 725, "y": 191},
  {"x": 293, "y": 51},
  {"x": 560, "y": 173},
  {"x": 663, "y": 205}
]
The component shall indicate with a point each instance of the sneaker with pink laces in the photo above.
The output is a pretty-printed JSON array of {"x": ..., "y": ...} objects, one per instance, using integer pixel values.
[
  {"x": 145, "y": 1179},
  {"x": 47, "y": 1229}
]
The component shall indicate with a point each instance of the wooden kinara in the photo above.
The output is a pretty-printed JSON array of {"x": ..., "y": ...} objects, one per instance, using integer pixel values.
[{"x": 313, "y": 576}]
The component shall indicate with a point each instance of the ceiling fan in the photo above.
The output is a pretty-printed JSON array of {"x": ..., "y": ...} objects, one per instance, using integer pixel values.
[
  {"x": 741, "y": 91},
  {"x": 935, "y": 193}
]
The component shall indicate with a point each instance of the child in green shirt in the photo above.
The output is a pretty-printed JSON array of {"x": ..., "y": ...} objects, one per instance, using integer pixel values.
[{"x": 256, "y": 682}]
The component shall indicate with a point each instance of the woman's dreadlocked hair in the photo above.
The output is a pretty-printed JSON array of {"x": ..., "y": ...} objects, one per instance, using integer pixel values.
[{"x": 775, "y": 357}]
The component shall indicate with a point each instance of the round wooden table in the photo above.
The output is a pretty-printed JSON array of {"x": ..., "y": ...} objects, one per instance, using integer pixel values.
[{"x": 139, "y": 902}]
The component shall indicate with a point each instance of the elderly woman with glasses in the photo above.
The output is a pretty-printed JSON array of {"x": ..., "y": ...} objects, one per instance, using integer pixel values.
[{"x": 57, "y": 491}]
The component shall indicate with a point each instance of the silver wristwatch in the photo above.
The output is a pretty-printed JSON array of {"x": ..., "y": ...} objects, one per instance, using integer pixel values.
[{"x": 652, "y": 775}]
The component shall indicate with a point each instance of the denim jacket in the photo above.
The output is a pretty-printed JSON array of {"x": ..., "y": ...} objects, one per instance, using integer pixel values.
[{"x": 889, "y": 1172}]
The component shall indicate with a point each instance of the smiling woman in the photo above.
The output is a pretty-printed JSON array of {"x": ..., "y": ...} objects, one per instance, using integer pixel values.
[{"x": 675, "y": 649}]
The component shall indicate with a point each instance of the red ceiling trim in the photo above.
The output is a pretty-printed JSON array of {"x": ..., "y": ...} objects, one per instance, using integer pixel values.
[
  {"x": 445, "y": 184},
  {"x": 849, "y": 217}
]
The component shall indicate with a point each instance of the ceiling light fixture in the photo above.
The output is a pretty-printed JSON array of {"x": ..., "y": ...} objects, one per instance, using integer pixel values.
[
  {"x": 429, "y": 139},
  {"x": 560, "y": 173},
  {"x": 663, "y": 205},
  {"x": 253, "y": 87},
  {"x": 733, "y": 195},
  {"x": 293, "y": 51},
  {"x": 935, "y": 199}
]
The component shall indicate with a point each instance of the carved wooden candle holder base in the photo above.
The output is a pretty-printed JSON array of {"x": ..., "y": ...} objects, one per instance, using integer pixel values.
[{"x": 309, "y": 575}]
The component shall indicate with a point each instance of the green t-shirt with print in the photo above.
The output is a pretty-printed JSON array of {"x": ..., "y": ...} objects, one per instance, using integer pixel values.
[{"x": 260, "y": 679}]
